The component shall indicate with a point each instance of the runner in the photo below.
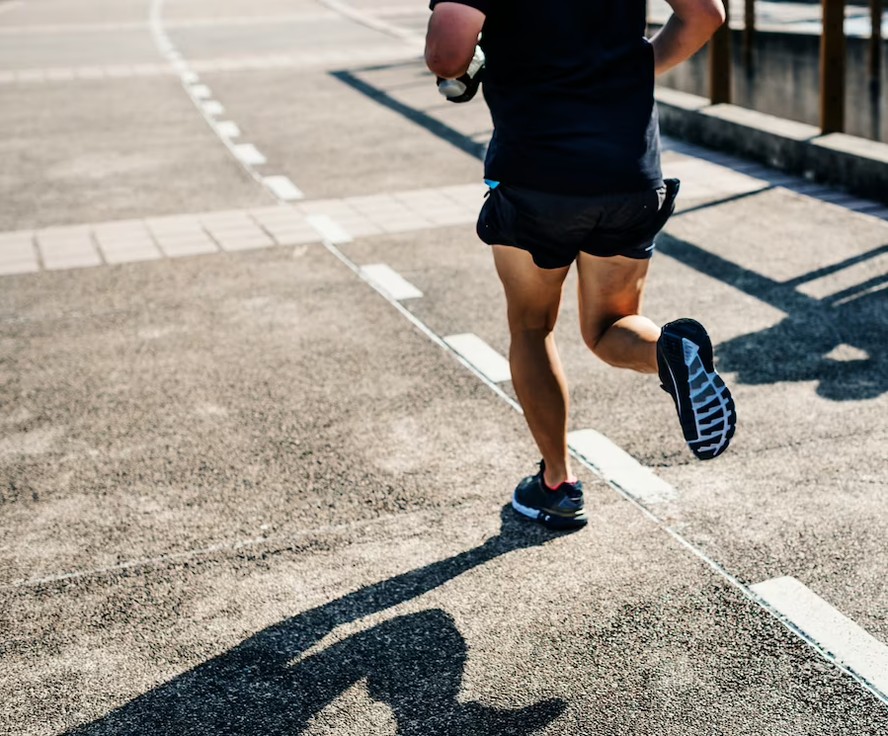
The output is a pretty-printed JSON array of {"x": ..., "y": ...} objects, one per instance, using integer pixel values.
[{"x": 574, "y": 174}]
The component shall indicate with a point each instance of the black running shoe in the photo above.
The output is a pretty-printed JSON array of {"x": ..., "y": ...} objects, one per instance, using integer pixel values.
[
  {"x": 704, "y": 404},
  {"x": 558, "y": 509}
]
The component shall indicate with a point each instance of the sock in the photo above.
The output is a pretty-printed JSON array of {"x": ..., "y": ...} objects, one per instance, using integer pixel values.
[{"x": 556, "y": 488}]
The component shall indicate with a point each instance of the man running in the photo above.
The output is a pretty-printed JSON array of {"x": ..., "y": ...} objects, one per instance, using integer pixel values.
[{"x": 574, "y": 174}]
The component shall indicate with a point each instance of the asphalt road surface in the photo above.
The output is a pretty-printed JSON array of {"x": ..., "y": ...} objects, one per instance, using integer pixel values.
[{"x": 257, "y": 439}]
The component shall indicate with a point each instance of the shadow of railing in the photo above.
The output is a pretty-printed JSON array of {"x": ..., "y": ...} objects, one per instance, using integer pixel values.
[
  {"x": 268, "y": 686},
  {"x": 423, "y": 119},
  {"x": 797, "y": 348}
]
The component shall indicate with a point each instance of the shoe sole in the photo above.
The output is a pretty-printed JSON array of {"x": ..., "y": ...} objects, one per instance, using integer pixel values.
[
  {"x": 686, "y": 352},
  {"x": 552, "y": 521}
]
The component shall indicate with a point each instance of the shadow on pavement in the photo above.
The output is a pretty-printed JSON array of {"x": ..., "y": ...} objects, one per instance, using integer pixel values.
[
  {"x": 799, "y": 347},
  {"x": 414, "y": 663},
  {"x": 423, "y": 119}
]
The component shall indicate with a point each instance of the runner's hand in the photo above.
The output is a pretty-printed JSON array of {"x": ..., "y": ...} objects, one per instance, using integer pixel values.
[{"x": 464, "y": 88}]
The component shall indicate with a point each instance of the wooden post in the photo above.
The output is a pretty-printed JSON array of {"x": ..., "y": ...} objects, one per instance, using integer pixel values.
[
  {"x": 875, "y": 43},
  {"x": 832, "y": 67},
  {"x": 749, "y": 32},
  {"x": 720, "y": 63}
]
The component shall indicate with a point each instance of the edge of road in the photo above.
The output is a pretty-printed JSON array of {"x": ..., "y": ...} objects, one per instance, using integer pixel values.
[{"x": 855, "y": 164}]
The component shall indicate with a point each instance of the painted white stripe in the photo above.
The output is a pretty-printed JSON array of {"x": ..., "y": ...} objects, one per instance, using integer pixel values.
[
  {"x": 485, "y": 359},
  {"x": 619, "y": 467},
  {"x": 227, "y": 129},
  {"x": 212, "y": 108},
  {"x": 328, "y": 229},
  {"x": 282, "y": 188},
  {"x": 852, "y": 646},
  {"x": 249, "y": 154},
  {"x": 200, "y": 92},
  {"x": 391, "y": 282}
]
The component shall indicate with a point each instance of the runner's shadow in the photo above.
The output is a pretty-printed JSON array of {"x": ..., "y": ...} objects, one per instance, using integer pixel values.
[
  {"x": 414, "y": 663},
  {"x": 838, "y": 341}
]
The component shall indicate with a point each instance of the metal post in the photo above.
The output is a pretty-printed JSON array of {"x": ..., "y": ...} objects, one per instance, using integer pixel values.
[
  {"x": 749, "y": 32},
  {"x": 832, "y": 67},
  {"x": 720, "y": 63},
  {"x": 875, "y": 43}
]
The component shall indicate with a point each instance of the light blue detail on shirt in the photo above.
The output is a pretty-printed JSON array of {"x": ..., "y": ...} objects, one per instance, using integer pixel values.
[{"x": 491, "y": 183}]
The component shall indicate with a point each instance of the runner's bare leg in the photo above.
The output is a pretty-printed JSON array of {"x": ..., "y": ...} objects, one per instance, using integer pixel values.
[
  {"x": 610, "y": 297},
  {"x": 533, "y": 297}
]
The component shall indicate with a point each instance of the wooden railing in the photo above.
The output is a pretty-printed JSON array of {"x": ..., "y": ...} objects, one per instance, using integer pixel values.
[{"x": 832, "y": 59}]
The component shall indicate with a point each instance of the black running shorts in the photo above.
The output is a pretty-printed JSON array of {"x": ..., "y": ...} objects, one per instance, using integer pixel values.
[{"x": 554, "y": 228}]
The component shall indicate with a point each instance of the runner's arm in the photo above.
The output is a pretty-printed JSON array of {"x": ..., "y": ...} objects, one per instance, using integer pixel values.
[
  {"x": 690, "y": 26},
  {"x": 451, "y": 38}
]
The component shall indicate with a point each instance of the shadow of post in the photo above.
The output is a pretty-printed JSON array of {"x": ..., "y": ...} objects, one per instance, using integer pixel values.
[{"x": 414, "y": 663}]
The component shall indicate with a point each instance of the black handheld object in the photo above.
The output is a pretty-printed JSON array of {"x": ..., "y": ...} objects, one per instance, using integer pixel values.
[{"x": 464, "y": 88}]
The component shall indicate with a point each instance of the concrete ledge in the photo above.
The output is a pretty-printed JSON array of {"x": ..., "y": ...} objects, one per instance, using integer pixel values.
[{"x": 855, "y": 164}]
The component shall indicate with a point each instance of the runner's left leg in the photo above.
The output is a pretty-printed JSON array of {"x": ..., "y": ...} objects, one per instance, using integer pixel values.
[{"x": 610, "y": 298}]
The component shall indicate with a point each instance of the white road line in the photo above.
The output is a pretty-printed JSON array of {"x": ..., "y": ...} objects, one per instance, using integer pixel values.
[
  {"x": 199, "y": 91},
  {"x": 390, "y": 281},
  {"x": 485, "y": 359},
  {"x": 212, "y": 108},
  {"x": 227, "y": 129},
  {"x": 619, "y": 467},
  {"x": 852, "y": 646},
  {"x": 249, "y": 154},
  {"x": 328, "y": 229},
  {"x": 246, "y": 154},
  {"x": 282, "y": 188}
]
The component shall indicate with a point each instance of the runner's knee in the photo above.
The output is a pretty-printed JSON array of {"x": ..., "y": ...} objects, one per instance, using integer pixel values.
[{"x": 532, "y": 322}]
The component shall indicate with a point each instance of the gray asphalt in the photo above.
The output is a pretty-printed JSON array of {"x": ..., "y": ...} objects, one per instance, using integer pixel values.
[{"x": 242, "y": 494}]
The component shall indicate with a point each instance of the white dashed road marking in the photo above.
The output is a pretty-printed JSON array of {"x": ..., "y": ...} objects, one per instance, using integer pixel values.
[
  {"x": 851, "y": 646},
  {"x": 199, "y": 91},
  {"x": 249, "y": 154},
  {"x": 227, "y": 129},
  {"x": 212, "y": 108},
  {"x": 391, "y": 282},
  {"x": 246, "y": 153},
  {"x": 485, "y": 359},
  {"x": 282, "y": 188},
  {"x": 619, "y": 467},
  {"x": 328, "y": 229}
]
